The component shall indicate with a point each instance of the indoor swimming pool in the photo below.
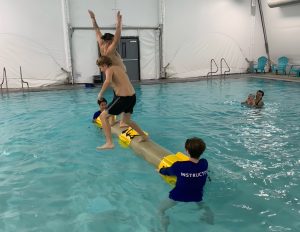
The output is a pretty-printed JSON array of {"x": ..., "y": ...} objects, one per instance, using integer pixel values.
[{"x": 52, "y": 178}]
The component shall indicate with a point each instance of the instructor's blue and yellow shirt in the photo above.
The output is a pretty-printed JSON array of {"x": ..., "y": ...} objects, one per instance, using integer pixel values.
[{"x": 191, "y": 178}]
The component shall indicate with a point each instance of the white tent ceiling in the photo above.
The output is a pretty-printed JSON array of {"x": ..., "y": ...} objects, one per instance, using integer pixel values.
[{"x": 34, "y": 34}]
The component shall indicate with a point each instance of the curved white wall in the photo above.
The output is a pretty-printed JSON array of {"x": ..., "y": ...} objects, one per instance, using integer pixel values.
[
  {"x": 31, "y": 35},
  {"x": 283, "y": 31},
  {"x": 197, "y": 31}
]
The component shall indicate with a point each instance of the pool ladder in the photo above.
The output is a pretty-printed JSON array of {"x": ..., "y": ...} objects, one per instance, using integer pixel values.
[
  {"x": 4, "y": 79},
  {"x": 212, "y": 61},
  {"x": 228, "y": 68},
  {"x": 22, "y": 81},
  {"x": 222, "y": 61}
]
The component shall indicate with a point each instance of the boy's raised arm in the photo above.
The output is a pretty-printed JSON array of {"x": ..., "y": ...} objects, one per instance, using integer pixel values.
[
  {"x": 117, "y": 35},
  {"x": 96, "y": 27}
]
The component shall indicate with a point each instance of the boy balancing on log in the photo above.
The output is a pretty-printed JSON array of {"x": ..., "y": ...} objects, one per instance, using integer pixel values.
[{"x": 123, "y": 102}]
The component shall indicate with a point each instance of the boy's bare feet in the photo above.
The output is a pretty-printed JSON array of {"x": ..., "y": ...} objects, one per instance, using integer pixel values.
[{"x": 106, "y": 146}]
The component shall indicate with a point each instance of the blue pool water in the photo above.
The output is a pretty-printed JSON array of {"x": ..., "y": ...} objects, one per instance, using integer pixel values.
[{"x": 53, "y": 179}]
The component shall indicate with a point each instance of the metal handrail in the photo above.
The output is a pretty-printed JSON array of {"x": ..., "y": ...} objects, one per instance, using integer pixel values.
[
  {"x": 211, "y": 72},
  {"x": 163, "y": 75},
  {"x": 22, "y": 81},
  {"x": 4, "y": 78},
  {"x": 221, "y": 62}
]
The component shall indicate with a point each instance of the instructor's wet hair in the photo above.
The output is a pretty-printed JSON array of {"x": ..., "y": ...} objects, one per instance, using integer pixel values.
[
  {"x": 262, "y": 92},
  {"x": 195, "y": 147},
  {"x": 104, "y": 60}
]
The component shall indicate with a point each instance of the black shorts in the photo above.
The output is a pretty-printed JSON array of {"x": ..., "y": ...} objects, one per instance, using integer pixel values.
[{"x": 121, "y": 104}]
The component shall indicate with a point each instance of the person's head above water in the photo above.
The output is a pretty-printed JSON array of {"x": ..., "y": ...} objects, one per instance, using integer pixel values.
[
  {"x": 251, "y": 99},
  {"x": 195, "y": 147},
  {"x": 260, "y": 93},
  {"x": 251, "y": 96},
  {"x": 258, "y": 98},
  {"x": 102, "y": 102}
]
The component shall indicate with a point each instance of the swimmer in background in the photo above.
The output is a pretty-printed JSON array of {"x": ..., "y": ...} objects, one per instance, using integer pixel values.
[
  {"x": 258, "y": 99},
  {"x": 250, "y": 101}
]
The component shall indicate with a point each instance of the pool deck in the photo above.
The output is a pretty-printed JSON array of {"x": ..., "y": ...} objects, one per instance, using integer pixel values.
[
  {"x": 271, "y": 76},
  {"x": 268, "y": 76}
]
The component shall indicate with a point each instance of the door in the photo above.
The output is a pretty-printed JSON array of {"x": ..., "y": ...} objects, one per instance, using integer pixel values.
[{"x": 128, "y": 48}]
